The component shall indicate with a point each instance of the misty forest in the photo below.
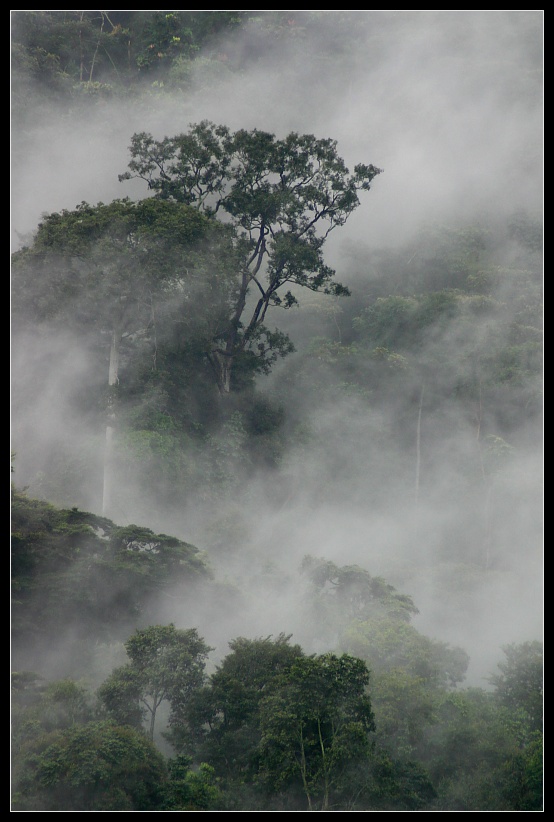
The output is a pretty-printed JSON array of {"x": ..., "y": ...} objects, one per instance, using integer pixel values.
[{"x": 276, "y": 410}]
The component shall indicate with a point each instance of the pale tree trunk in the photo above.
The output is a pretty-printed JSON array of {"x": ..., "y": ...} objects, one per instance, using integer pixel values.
[
  {"x": 96, "y": 49},
  {"x": 81, "y": 50},
  {"x": 304, "y": 770},
  {"x": 157, "y": 699},
  {"x": 325, "y": 804},
  {"x": 418, "y": 444},
  {"x": 487, "y": 484},
  {"x": 113, "y": 379}
]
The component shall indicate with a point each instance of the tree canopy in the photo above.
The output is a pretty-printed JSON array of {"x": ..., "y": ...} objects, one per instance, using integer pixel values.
[
  {"x": 166, "y": 665},
  {"x": 282, "y": 196},
  {"x": 78, "y": 579},
  {"x": 315, "y": 721},
  {"x": 98, "y": 766}
]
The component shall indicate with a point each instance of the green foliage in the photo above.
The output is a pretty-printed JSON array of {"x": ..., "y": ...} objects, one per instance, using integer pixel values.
[
  {"x": 387, "y": 320},
  {"x": 264, "y": 700},
  {"x": 389, "y": 784},
  {"x": 468, "y": 750},
  {"x": 121, "y": 693},
  {"x": 146, "y": 285},
  {"x": 404, "y": 705},
  {"x": 479, "y": 326},
  {"x": 519, "y": 685},
  {"x": 167, "y": 39},
  {"x": 166, "y": 665},
  {"x": 98, "y": 766},
  {"x": 282, "y": 197},
  {"x": 83, "y": 264},
  {"x": 222, "y": 721},
  {"x": 410, "y": 673},
  {"x": 77, "y": 578},
  {"x": 339, "y": 597},
  {"x": 388, "y": 643},
  {"x": 522, "y": 777},
  {"x": 39, "y": 707},
  {"x": 69, "y": 50},
  {"x": 315, "y": 721},
  {"x": 189, "y": 790}
]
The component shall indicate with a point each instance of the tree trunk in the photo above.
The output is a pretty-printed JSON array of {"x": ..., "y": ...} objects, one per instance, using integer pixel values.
[
  {"x": 223, "y": 366},
  {"x": 108, "y": 469},
  {"x": 113, "y": 379},
  {"x": 418, "y": 444},
  {"x": 325, "y": 803},
  {"x": 304, "y": 770},
  {"x": 152, "y": 722}
]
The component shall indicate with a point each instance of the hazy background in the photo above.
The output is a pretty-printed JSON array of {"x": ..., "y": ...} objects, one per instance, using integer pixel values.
[{"x": 449, "y": 104}]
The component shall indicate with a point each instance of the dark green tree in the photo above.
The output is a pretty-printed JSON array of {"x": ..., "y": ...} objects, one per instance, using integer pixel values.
[
  {"x": 522, "y": 776},
  {"x": 315, "y": 721},
  {"x": 191, "y": 790},
  {"x": 283, "y": 198},
  {"x": 221, "y": 724},
  {"x": 167, "y": 665},
  {"x": 98, "y": 766}
]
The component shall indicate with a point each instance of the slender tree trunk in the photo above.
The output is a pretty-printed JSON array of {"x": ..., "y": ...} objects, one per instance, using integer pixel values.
[
  {"x": 156, "y": 700},
  {"x": 152, "y": 722},
  {"x": 418, "y": 444},
  {"x": 108, "y": 461},
  {"x": 81, "y": 50},
  {"x": 488, "y": 484},
  {"x": 488, "y": 524},
  {"x": 303, "y": 770},
  {"x": 113, "y": 379},
  {"x": 96, "y": 49},
  {"x": 325, "y": 804}
]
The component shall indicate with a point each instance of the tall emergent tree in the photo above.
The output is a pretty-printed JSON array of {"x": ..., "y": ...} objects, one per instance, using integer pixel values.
[
  {"x": 283, "y": 198},
  {"x": 116, "y": 274}
]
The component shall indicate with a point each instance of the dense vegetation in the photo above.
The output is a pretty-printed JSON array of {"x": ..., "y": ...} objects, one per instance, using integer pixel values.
[
  {"x": 199, "y": 416},
  {"x": 380, "y": 724}
]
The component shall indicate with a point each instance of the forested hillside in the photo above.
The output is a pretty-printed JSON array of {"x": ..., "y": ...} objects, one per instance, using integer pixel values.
[{"x": 277, "y": 433}]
